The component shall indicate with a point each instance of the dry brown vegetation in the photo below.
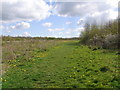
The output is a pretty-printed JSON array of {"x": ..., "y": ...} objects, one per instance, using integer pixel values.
[{"x": 13, "y": 49}]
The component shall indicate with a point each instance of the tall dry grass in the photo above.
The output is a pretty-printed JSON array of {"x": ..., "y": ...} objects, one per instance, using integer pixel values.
[{"x": 14, "y": 49}]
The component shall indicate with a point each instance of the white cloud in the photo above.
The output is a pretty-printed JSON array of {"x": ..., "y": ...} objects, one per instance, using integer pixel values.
[
  {"x": 99, "y": 17},
  {"x": 7, "y": 31},
  {"x": 80, "y": 21},
  {"x": 60, "y": 33},
  {"x": 68, "y": 23},
  {"x": 68, "y": 32},
  {"x": 113, "y": 3},
  {"x": 72, "y": 32},
  {"x": 75, "y": 30},
  {"x": 56, "y": 29},
  {"x": 20, "y": 26},
  {"x": 2, "y": 27},
  {"x": 80, "y": 29},
  {"x": 48, "y": 24},
  {"x": 79, "y": 8},
  {"x": 113, "y": 14},
  {"x": 24, "y": 10},
  {"x": 88, "y": 11},
  {"x": 26, "y": 34}
]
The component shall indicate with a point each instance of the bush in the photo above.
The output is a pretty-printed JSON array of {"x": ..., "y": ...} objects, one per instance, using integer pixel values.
[
  {"x": 111, "y": 41},
  {"x": 103, "y": 36}
]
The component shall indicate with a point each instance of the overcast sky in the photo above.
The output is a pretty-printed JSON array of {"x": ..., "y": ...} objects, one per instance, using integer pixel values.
[{"x": 63, "y": 19}]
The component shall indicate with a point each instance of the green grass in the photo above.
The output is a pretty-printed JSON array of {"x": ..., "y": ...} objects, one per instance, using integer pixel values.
[{"x": 67, "y": 65}]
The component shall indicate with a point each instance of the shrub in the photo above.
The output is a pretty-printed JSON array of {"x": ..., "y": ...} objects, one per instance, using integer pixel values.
[
  {"x": 111, "y": 41},
  {"x": 105, "y": 36}
]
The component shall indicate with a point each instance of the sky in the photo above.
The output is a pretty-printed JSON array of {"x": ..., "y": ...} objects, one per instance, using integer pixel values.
[{"x": 43, "y": 18}]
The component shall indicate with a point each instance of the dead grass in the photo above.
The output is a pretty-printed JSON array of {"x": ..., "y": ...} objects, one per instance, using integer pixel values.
[{"x": 15, "y": 49}]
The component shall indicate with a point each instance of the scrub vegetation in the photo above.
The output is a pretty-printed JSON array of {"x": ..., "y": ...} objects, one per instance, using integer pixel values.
[
  {"x": 58, "y": 64},
  {"x": 103, "y": 36}
]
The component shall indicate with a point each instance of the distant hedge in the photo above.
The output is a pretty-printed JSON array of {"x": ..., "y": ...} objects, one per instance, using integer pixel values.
[{"x": 18, "y": 38}]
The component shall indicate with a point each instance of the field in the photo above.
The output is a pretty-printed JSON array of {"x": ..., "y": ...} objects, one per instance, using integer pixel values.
[{"x": 58, "y": 64}]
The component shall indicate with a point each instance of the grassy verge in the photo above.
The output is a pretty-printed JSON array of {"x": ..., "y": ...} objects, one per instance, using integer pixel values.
[{"x": 66, "y": 65}]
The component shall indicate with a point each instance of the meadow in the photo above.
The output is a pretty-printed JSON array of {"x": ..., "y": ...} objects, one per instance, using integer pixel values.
[{"x": 58, "y": 64}]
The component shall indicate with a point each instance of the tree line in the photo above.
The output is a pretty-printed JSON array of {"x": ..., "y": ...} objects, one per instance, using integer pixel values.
[
  {"x": 21, "y": 38},
  {"x": 103, "y": 36}
]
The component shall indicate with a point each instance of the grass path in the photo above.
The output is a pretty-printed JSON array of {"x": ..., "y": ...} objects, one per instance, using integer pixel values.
[{"x": 67, "y": 65}]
